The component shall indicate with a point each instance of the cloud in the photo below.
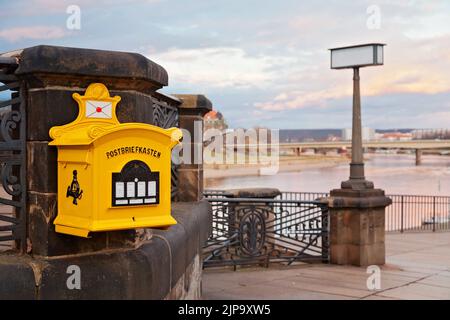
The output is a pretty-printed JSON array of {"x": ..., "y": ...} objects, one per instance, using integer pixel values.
[
  {"x": 32, "y": 32},
  {"x": 178, "y": 30},
  {"x": 52, "y": 5},
  {"x": 271, "y": 59},
  {"x": 40, "y": 7},
  {"x": 219, "y": 66},
  {"x": 285, "y": 54},
  {"x": 411, "y": 67},
  {"x": 302, "y": 99}
]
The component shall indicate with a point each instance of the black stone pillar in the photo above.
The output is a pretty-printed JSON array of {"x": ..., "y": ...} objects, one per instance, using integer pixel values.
[{"x": 52, "y": 75}]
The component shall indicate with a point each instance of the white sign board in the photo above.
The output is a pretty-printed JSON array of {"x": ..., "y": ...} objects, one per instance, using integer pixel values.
[{"x": 357, "y": 56}]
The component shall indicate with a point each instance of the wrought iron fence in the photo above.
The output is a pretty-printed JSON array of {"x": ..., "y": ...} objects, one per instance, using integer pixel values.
[
  {"x": 415, "y": 213},
  {"x": 302, "y": 196},
  {"x": 12, "y": 158},
  {"x": 166, "y": 116},
  {"x": 406, "y": 213},
  {"x": 259, "y": 231}
]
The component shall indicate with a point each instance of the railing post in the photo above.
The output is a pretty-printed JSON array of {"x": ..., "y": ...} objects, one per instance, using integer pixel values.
[
  {"x": 325, "y": 234},
  {"x": 447, "y": 212},
  {"x": 357, "y": 226},
  {"x": 239, "y": 209},
  {"x": 401, "y": 215},
  {"x": 190, "y": 175},
  {"x": 434, "y": 213}
]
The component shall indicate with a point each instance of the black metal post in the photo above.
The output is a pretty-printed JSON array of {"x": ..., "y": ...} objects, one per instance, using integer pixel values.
[
  {"x": 434, "y": 214},
  {"x": 401, "y": 215}
]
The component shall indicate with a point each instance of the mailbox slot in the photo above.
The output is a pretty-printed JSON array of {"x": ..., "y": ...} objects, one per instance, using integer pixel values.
[{"x": 135, "y": 185}]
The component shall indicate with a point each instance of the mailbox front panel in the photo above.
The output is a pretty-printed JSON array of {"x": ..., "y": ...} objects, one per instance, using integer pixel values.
[
  {"x": 133, "y": 179},
  {"x": 111, "y": 176}
]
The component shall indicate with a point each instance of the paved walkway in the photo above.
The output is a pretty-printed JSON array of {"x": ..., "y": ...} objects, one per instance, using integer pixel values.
[{"x": 418, "y": 267}]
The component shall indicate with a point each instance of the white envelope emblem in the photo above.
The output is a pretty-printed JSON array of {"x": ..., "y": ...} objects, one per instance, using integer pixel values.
[{"x": 98, "y": 109}]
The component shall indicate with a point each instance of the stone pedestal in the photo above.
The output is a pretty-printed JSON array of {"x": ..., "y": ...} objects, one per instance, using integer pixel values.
[
  {"x": 52, "y": 74},
  {"x": 357, "y": 226},
  {"x": 256, "y": 193},
  {"x": 190, "y": 173}
]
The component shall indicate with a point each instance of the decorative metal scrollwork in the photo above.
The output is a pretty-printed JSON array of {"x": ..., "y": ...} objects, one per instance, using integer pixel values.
[
  {"x": 9, "y": 123},
  {"x": 249, "y": 231},
  {"x": 166, "y": 116},
  {"x": 252, "y": 233},
  {"x": 174, "y": 180},
  {"x": 13, "y": 218},
  {"x": 10, "y": 182}
]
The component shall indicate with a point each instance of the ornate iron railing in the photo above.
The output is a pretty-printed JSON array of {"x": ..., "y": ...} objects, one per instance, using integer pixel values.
[
  {"x": 259, "y": 231},
  {"x": 166, "y": 116},
  {"x": 12, "y": 158},
  {"x": 418, "y": 213},
  {"x": 406, "y": 213}
]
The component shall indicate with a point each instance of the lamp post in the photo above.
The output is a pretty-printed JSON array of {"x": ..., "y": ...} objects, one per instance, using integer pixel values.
[
  {"x": 355, "y": 57},
  {"x": 357, "y": 209}
]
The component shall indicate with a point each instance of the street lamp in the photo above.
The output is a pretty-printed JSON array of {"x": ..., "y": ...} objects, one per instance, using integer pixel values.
[
  {"x": 355, "y": 57},
  {"x": 357, "y": 209}
]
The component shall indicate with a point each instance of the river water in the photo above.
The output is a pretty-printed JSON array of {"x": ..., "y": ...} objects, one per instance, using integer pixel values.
[{"x": 395, "y": 173}]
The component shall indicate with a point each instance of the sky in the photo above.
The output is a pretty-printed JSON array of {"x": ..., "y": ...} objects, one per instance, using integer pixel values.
[{"x": 266, "y": 63}]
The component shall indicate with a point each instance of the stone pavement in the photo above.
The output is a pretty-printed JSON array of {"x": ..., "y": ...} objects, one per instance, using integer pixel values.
[{"x": 417, "y": 267}]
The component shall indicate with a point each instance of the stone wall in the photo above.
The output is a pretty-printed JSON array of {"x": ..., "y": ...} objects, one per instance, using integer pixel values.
[
  {"x": 125, "y": 264},
  {"x": 167, "y": 265},
  {"x": 189, "y": 287},
  {"x": 52, "y": 75}
]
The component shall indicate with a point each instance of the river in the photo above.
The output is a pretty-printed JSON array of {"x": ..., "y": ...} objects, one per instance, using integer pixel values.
[{"x": 395, "y": 173}]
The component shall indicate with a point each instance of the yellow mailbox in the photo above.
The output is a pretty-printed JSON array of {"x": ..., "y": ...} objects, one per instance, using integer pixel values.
[{"x": 111, "y": 176}]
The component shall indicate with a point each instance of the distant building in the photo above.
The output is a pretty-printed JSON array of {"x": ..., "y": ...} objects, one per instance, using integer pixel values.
[
  {"x": 426, "y": 134},
  {"x": 305, "y": 135},
  {"x": 346, "y": 134},
  {"x": 214, "y": 120},
  {"x": 395, "y": 136},
  {"x": 367, "y": 134}
]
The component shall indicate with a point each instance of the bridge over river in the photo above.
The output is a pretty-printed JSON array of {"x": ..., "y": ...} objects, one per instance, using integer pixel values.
[
  {"x": 417, "y": 145},
  {"x": 409, "y": 144}
]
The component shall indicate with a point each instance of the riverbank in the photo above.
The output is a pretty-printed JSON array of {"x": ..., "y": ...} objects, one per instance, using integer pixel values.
[{"x": 285, "y": 164}]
